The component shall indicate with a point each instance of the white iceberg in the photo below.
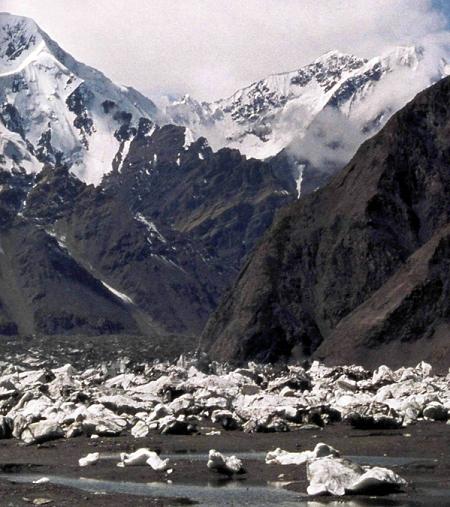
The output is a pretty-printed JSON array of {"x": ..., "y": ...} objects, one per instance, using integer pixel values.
[
  {"x": 90, "y": 459},
  {"x": 224, "y": 464},
  {"x": 337, "y": 476},
  {"x": 144, "y": 456},
  {"x": 280, "y": 457}
]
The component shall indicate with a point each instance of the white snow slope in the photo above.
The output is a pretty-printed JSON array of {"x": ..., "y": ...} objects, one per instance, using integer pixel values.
[
  {"x": 61, "y": 105},
  {"x": 15, "y": 155}
]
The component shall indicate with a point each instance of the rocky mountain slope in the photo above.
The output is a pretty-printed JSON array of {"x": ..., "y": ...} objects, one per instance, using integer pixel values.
[
  {"x": 148, "y": 251},
  {"x": 112, "y": 224},
  {"x": 362, "y": 264},
  {"x": 150, "y": 247},
  {"x": 218, "y": 198}
]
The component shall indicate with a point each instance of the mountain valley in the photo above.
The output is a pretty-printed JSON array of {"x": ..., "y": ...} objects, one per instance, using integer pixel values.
[{"x": 120, "y": 217}]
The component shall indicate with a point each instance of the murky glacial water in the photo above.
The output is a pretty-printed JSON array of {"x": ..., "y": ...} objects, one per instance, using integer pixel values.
[
  {"x": 242, "y": 492},
  {"x": 212, "y": 493}
]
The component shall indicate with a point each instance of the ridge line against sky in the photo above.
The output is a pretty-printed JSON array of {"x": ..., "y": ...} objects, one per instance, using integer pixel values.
[{"x": 209, "y": 49}]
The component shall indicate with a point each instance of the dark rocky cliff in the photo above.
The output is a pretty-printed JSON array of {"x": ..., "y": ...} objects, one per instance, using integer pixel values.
[{"x": 360, "y": 267}]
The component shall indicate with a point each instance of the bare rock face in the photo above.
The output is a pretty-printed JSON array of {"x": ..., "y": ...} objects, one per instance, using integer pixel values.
[
  {"x": 6, "y": 426},
  {"x": 360, "y": 265}
]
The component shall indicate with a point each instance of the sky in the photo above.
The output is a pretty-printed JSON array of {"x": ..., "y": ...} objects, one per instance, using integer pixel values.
[
  {"x": 210, "y": 48},
  {"x": 443, "y": 6}
]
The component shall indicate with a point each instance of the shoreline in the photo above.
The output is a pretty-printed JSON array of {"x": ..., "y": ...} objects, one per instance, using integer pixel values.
[{"x": 427, "y": 443}]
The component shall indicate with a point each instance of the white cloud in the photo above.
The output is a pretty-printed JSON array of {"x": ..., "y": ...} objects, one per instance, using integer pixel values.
[
  {"x": 333, "y": 138},
  {"x": 209, "y": 48}
]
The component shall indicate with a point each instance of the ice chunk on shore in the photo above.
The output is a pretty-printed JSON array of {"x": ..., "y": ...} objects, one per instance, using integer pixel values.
[
  {"x": 42, "y": 480},
  {"x": 280, "y": 457},
  {"x": 42, "y": 431},
  {"x": 90, "y": 459},
  {"x": 337, "y": 476},
  {"x": 158, "y": 464},
  {"x": 136, "y": 458},
  {"x": 378, "y": 479},
  {"x": 435, "y": 411}
]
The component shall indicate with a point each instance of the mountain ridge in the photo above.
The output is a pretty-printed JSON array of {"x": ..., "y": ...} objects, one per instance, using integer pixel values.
[
  {"x": 148, "y": 223},
  {"x": 256, "y": 118},
  {"x": 69, "y": 112},
  {"x": 312, "y": 269},
  {"x": 65, "y": 110}
]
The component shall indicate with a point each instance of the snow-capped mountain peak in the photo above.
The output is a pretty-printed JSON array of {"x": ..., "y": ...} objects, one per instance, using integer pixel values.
[
  {"x": 268, "y": 115},
  {"x": 20, "y": 42},
  {"x": 406, "y": 56},
  {"x": 65, "y": 110}
]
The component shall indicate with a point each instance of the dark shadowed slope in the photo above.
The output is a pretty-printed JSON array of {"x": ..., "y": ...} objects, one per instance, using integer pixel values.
[
  {"x": 149, "y": 250},
  {"x": 358, "y": 271}
]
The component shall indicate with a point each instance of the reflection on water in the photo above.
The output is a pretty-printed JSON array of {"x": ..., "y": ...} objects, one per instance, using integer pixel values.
[
  {"x": 242, "y": 492},
  {"x": 369, "y": 502},
  {"x": 387, "y": 461},
  {"x": 218, "y": 492}
]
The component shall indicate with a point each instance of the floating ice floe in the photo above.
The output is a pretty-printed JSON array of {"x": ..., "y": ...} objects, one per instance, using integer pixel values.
[
  {"x": 143, "y": 457},
  {"x": 228, "y": 465},
  {"x": 338, "y": 476}
]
